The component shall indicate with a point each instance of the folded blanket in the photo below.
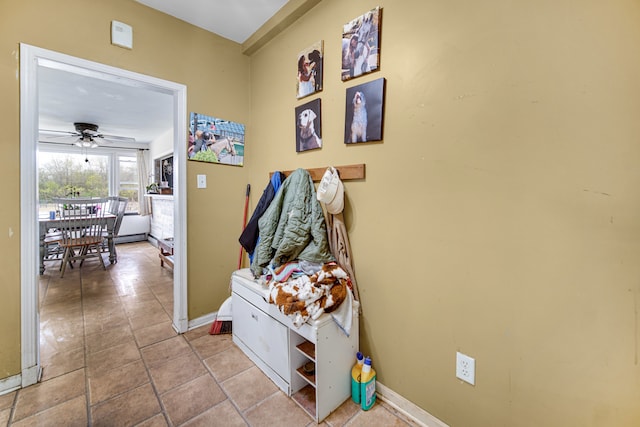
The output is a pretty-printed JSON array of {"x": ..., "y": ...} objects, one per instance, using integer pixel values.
[
  {"x": 307, "y": 297},
  {"x": 285, "y": 271}
]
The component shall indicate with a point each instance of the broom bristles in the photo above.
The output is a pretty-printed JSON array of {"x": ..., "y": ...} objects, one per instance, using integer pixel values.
[
  {"x": 221, "y": 327},
  {"x": 222, "y": 324}
]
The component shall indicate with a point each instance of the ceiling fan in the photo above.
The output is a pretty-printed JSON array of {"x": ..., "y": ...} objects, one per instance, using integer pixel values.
[{"x": 86, "y": 135}]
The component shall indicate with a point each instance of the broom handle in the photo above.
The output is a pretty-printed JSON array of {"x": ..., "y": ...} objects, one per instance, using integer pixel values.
[{"x": 244, "y": 222}]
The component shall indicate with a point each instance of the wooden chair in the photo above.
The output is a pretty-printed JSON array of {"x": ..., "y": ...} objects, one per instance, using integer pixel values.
[{"x": 82, "y": 223}]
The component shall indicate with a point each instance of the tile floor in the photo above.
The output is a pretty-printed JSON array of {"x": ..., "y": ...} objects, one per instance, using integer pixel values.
[{"x": 110, "y": 357}]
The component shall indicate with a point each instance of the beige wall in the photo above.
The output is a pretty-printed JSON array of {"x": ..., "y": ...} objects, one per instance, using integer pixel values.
[
  {"x": 500, "y": 215},
  {"x": 216, "y": 74}
]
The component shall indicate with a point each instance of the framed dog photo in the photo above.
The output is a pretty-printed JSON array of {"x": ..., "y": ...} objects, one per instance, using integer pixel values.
[
  {"x": 361, "y": 45},
  {"x": 308, "y": 126},
  {"x": 364, "y": 112},
  {"x": 310, "y": 65},
  {"x": 215, "y": 140}
]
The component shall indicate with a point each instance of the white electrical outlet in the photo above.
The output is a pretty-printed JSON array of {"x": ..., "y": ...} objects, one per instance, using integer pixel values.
[{"x": 466, "y": 368}]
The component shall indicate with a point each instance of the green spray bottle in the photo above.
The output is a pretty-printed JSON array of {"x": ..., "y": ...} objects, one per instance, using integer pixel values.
[{"x": 367, "y": 385}]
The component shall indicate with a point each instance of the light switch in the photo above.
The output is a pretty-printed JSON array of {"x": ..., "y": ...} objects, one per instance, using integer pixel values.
[{"x": 202, "y": 181}]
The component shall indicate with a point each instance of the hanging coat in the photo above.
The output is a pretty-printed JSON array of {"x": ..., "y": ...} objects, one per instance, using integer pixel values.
[
  {"x": 293, "y": 226},
  {"x": 249, "y": 237}
]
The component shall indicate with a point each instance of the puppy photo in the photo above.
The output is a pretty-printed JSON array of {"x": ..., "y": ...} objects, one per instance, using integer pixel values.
[
  {"x": 364, "y": 106},
  {"x": 309, "y": 70},
  {"x": 359, "y": 119},
  {"x": 315, "y": 57},
  {"x": 308, "y": 126}
]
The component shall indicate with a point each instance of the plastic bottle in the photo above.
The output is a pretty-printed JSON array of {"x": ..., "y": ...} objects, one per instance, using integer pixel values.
[
  {"x": 355, "y": 378},
  {"x": 368, "y": 385}
]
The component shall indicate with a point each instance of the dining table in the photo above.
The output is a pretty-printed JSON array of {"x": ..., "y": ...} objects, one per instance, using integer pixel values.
[{"x": 47, "y": 223}]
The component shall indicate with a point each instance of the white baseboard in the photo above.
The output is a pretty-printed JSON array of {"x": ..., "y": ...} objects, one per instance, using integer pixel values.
[
  {"x": 203, "y": 320},
  {"x": 31, "y": 375},
  {"x": 407, "y": 408},
  {"x": 9, "y": 384}
]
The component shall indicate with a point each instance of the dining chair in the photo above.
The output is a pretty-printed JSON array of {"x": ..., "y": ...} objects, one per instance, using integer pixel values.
[
  {"x": 82, "y": 222},
  {"x": 53, "y": 251},
  {"x": 116, "y": 206}
]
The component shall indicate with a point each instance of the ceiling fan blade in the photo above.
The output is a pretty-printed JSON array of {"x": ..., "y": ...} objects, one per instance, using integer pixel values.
[
  {"x": 114, "y": 138},
  {"x": 57, "y": 139},
  {"x": 45, "y": 136},
  {"x": 85, "y": 132},
  {"x": 66, "y": 132}
]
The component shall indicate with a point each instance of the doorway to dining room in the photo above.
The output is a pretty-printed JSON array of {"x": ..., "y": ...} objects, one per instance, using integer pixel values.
[{"x": 32, "y": 61}]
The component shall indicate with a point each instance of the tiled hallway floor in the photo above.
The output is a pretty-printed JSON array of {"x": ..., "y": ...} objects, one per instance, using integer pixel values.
[{"x": 110, "y": 357}]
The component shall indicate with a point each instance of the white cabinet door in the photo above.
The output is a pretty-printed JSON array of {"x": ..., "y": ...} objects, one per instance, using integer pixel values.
[{"x": 266, "y": 337}]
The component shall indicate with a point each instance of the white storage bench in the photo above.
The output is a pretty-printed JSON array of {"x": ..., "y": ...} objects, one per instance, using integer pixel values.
[{"x": 280, "y": 349}]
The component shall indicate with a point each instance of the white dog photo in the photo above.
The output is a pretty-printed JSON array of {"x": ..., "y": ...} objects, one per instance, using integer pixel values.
[
  {"x": 364, "y": 105},
  {"x": 307, "y": 136},
  {"x": 359, "y": 121}
]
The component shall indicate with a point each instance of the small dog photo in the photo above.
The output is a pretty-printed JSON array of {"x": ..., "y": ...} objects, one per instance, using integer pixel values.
[
  {"x": 310, "y": 64},
  {"x": 361, "y": 45},
  {"x": 308, "y": 130},
  {"x": 364, "y": 106}
]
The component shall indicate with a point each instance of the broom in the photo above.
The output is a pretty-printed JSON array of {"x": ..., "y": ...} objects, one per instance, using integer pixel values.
[{"x": 222, "y": 324}]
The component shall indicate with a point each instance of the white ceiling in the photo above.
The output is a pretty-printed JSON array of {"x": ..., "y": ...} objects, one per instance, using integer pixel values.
[
  {"x": 119, "y": 109},
  {"x": 236, "y": 20},
  {"x": 126, "y": 110}
]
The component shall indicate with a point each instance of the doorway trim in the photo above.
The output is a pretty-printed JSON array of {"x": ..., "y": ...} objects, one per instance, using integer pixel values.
[{"x": 32, "y": 58}]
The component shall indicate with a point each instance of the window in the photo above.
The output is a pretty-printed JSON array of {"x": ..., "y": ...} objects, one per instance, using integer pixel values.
[
  {"x": 68, "y": 174},
  {"x": 127, "y": 181},
  {"x": 64, "y": 172}
]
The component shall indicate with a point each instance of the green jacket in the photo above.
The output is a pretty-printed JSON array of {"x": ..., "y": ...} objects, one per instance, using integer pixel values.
[{"x": 292, "y": 227}]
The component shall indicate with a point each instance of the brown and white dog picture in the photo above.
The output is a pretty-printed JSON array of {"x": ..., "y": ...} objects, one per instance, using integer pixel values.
[{"x": 308, "y": 134}]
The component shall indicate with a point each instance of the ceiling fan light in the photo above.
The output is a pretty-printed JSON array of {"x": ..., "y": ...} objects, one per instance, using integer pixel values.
[
  {"x": 78, "y": 143},
  {"x": 93, "y": 144}
]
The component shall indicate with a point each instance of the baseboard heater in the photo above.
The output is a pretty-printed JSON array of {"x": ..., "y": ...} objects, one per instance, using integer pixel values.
[{"x": 130, "y": 238}]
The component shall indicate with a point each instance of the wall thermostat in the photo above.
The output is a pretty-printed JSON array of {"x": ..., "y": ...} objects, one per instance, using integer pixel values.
[{"x": 121, "y": 34}]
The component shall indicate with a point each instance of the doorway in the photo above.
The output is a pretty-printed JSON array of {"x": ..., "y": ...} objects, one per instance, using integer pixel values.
[{"x": 33, "y": 59}]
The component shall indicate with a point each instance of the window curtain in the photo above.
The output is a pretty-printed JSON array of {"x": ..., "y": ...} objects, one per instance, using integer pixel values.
[{"x": 142, "y": 183}]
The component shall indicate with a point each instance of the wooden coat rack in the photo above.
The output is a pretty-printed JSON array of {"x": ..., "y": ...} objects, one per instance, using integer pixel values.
[{"x": 347, "y": 172}]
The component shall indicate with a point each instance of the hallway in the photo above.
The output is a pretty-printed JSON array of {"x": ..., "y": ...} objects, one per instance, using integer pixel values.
[{"x": 110, "y": 357}]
